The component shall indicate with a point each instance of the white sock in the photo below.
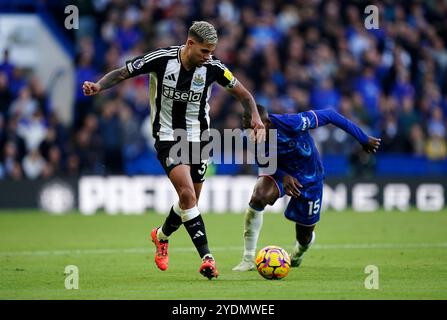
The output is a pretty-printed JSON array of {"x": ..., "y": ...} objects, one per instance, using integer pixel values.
[
  {"x": 252, "y": 228},
  {"x": 302, "y": 249},
  {"x": 161, "y": 235},
  {"x": 190, "y": 214},
  {"x": 208, "y": 255},
  {"x": 177, "y": 209}
]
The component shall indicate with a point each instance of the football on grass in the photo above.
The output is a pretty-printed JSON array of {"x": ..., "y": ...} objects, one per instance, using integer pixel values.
[{"x": 273, "y": 263}]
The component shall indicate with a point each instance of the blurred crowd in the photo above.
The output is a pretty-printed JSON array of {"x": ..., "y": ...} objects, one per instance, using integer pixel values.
[{"x": 292, "y": 55}]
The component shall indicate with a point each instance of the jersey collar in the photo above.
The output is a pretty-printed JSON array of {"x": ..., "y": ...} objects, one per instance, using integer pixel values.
[{"x": 179, "y": 52}]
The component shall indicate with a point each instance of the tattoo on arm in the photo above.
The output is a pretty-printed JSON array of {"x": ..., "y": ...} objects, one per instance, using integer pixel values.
[
  {"x": 246, "y": 105},
  {"x": 246, "y": 100},
  {"x": 113, "y": 78}
]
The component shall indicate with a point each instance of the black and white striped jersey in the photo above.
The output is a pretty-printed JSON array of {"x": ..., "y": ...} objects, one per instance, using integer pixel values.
[{"x": 178, "y": 97}]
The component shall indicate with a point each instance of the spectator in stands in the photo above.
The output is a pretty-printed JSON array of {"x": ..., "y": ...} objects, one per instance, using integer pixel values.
[
  {"x": 436, "y": 124},
  {"x": 24, "y": 105},
  {"x": 6, "y": 66},
  {"x": 11, "y": 160},
  {"x": 54, "y": 163},
  {"x": 325, "y": 96},
  {"x": 11, "y": 135},
  {"x": 436, "y": 148},
  {"x": 417, "y": 139},
  {"x": 17, "y": 81},
  {"x": 84, "y": 70},
  {"x": 369, "y": 88},
  {"x": 111, "y": 133},
  {"x": 33, "y": 164},
  {"x": 5, "y": 94},
  {"x": 88, "y": 151},
  {"x": 407, "y": 116},
  {"x": 40, "y": 95},
  {"x": 133, "y": 145},
  {"x": 72, "y": 168}
]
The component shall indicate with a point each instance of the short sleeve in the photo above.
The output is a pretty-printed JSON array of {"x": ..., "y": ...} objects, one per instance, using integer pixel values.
[
  {"x": 144, "y": 64},
  {"x": 224, "y": 77}
]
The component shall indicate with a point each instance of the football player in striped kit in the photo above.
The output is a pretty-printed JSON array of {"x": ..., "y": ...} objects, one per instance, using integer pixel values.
[{"x": 181, "y": 78}]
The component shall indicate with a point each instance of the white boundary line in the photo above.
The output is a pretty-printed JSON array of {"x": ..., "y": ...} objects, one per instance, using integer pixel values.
[{"x": 149, "y": 249}]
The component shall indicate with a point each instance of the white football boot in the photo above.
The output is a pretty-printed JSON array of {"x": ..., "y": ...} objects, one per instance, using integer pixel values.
[
  {"x": 247, "y": 264},
  {"x": 297, "y": 254}
]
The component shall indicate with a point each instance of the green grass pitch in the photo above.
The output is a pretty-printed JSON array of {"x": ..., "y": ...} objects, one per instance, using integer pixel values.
[{"x": 115, "y": 258}]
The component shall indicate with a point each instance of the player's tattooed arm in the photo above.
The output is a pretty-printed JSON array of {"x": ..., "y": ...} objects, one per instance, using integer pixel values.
[
  {"x": 109, "y": 80},
  {"x": 114, "y": 77},
  {"x": 246, "y": 118},
  {"x": 251, "y": 118}
]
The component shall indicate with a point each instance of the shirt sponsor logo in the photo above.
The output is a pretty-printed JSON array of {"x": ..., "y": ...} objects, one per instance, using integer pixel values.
[{"x": 185, "y": 96}]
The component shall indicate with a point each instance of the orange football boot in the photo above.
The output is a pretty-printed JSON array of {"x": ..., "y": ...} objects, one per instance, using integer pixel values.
[
  {"x": 208, "y": 268},
  {"x": 161, "y": 252}
]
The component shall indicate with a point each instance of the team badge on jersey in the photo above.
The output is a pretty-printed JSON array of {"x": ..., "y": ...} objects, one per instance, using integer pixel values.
[{"x": 198, "y": 81}]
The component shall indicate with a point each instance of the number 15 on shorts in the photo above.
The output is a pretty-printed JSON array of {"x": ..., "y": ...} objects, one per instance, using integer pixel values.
[{"x": 314, "y": 207}]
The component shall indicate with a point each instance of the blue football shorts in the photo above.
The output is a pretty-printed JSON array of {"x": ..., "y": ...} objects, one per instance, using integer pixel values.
[{"x": 305, "y": 209}]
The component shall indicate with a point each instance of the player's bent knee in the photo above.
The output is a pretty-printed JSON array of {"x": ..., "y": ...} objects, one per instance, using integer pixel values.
[
  {"x": 257, "y": 201},
  {"x": 187, "y": 198}
]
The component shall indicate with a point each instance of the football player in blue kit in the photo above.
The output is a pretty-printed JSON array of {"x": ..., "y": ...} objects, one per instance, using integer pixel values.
[{"x": 299, "y": 174}]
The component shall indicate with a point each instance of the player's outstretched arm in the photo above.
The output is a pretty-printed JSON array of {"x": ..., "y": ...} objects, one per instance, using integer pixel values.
[
  {"x": 109, "y": 80},
  {"x": 372, "y": 145},
  {"x": 250, "y": 111}
]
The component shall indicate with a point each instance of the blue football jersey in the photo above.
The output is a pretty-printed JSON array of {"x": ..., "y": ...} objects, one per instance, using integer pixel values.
[{"x": 296, "y": 152}]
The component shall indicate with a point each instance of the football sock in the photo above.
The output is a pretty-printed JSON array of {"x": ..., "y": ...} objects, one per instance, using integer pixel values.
[
  {"x": 303, "y": 248},
  {"x": 161, "y": 236},
  {"x": 252, "y": 228},
  {"x": 189, "y": 214},
  {"x": 208, "y": 255},
  {"x": 172, "y": 223},
  {"x": 196, "y": 230}
]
